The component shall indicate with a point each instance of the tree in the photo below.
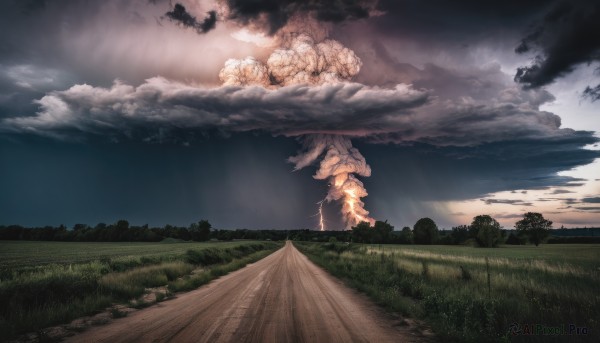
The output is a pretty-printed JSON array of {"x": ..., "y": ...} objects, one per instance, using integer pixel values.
[
  {"x": 425, "y": 231},
  {"x": 122, "y": 225},
  {"x": 118, "y": 230},
  {"x": 513, "y": 240},
  {"x": 361, "y": 233},
  {"x": 534, "y": 226},
  {"x": 78, "y": 227},
  {"x": 487, "y": 231},
  {"x": 406, "y": 236},
  {"x": 459, "y": 234},
  {"x": 200, "y": 231},
  {"x": 382, "y": 232}
]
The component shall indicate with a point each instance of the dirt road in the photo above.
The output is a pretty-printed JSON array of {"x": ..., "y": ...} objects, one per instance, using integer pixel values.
[{"x": 281, "y": 298}]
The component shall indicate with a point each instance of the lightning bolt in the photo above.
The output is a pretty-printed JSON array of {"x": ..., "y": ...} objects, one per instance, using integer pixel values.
[{"x": 321, "y": 221}]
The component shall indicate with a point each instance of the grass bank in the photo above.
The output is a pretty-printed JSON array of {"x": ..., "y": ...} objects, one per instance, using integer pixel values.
[
  {"x": 34, "y": 296},
  {"x": 474, "y": 294}
]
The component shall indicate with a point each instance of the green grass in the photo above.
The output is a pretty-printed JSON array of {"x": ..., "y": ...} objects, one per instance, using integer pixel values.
[
  {"x": 132, "y": 283},
  {"x": 575, "y": 255},
  {"x": 47, "y": 283},
  {"x": 15, "y": 255},
  {"x": 549, "y": 285}
]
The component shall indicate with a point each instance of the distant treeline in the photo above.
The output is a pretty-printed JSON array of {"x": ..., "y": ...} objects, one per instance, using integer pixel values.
[
  {"x": 380, "y": 233},
  {"x": 121, "y": 231}
]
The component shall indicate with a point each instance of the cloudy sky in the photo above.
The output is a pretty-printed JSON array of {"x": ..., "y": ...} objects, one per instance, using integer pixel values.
[{"x": 169, "y": 112}]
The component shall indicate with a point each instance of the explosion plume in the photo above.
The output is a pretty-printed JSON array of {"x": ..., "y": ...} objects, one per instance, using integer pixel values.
[
  {"x": 301, "y": 60},
  {"x": 340, "y": 163}
]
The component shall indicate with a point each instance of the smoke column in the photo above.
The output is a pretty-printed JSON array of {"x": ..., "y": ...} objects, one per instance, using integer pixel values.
[
  {"x": 340, "y": 163},
  {"x": 302, "y": 60}
]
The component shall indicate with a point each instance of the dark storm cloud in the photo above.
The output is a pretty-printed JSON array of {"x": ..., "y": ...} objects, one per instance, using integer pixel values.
[
  {"x": 456, "y": 21},
  {"x": 561, "y": 34},
  {"x": 21, "y": 84},
  {"x": 461, "y": 134},
  {"x": 401, "y": 114},
  {"x": 346, "y": 108},
  {"x": 414, "y": 171},
  {"x": 182, "y": 17},
  {"x": 592, "y": 93},
  {"x": 274, "y": 14},
  {"x": 591, "y": 200},
  {"x": 567, "y": 36},
  {"x": 406, "y": 178}
]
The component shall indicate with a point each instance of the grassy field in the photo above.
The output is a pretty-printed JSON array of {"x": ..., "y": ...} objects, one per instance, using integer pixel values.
[
  {"x": 47, "y": 283},
  {"x": 476, "y": 294},
  {"x": 18, "y": 255}
]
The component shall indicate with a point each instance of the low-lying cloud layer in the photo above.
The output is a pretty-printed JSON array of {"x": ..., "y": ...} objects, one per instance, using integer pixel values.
[
  {"x": 402, "y": 114},
  {"x": 347, "y": 108}
]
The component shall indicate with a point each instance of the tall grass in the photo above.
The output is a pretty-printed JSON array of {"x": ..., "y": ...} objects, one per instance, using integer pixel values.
[
  {"x": 465, "y": 299},
  {"x": 36, "y": 296},
  {"x": 132, "y": 283}
]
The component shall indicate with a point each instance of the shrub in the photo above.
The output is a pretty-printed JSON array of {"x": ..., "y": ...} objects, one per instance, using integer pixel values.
[{"x": 207, "y": 257}]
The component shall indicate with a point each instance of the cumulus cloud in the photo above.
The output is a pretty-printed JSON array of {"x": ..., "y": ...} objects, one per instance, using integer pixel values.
[
  {"x": 247, "y": 71},
  {"x": 300, "y": 60}
]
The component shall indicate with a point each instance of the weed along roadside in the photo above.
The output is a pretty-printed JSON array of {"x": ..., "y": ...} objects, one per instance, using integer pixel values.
[
  {"x": 468, "y": 297},
  {"x": 36, "y": 297}
]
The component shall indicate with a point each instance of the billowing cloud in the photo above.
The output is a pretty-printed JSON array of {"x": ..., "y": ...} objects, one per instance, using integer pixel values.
[
  {"x": 401, "y": 114},
  {"x": 345, "y": 108},
  {"x": 300, "y": 60}
]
